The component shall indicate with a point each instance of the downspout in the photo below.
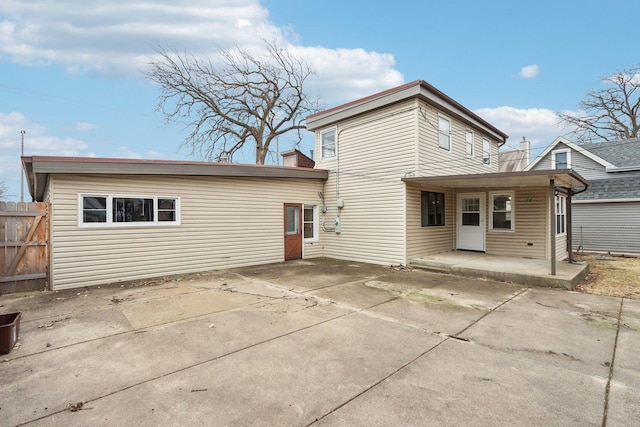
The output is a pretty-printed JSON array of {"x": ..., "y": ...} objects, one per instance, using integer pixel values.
[
  {"x": 569, "y": 225},
  {"x": 570, "y": 220},
  {"x": 552, "y": 224}
]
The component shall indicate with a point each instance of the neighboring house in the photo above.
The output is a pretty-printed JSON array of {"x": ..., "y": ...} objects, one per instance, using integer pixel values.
[
  {"x": 515, "y": 160},
  {"x": 399, "y": 175},
  {"x": 606, "y": 217}
]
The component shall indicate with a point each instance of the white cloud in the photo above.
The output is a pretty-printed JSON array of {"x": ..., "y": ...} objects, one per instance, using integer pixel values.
[
  {"x": 85, "y": 126},
  {"x": 115, "y": 39},
  {"x": 37, "y": 140},
  {"x": 529, "y": 72},
  {"x": 539, "y": 125},
  {"x": 346, "y": 74}
]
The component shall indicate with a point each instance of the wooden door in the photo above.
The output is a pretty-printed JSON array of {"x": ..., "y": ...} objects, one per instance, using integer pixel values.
[{"x": 292, "y": 231}]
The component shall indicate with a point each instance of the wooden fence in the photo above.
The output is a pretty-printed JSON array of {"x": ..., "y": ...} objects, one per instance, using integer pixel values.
[{"x": 24, "y": 246}]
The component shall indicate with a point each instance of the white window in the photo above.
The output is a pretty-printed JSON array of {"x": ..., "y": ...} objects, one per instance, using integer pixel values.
[
  {"x": 561, "y": 216},
  {"x": 561, "y": 159},
  {"x": 444, "y": 133},
  {"x": 328, "y": 143},
  {"x": 486, "y": 151},
  {"x": 469, "y": 140},
  {"x": 310, "y": 223},
  {"x": 502, "y": 211},
  {"x": 105, "y": 210}
]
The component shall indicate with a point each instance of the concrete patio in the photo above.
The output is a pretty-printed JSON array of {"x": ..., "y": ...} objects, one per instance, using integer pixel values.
[
  {"x": 526, "y": 271},
  {"x": 322, "y": 342}
]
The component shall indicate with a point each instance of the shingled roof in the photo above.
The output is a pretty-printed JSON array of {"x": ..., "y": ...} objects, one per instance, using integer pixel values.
[
  {"x": 626, "y": 187},
  {"x": 623, "y": 153}
]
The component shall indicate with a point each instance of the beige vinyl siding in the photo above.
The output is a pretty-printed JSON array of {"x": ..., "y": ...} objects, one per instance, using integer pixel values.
[
  {"x": 531, "y": 225},
  {"x": 561, "y": 247},
  {"x": 225, "y": 222},
  {"x": 374, "y": 152},
  {"x": 429, "y": 240},
  {"x": 434, "y": 160}
]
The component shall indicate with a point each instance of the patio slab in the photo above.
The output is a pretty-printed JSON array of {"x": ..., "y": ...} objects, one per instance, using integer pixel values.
[{"x": 326, "y": 343}]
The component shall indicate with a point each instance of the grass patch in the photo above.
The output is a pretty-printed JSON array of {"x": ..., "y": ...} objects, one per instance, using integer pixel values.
[{"x": 611, "y": 275}]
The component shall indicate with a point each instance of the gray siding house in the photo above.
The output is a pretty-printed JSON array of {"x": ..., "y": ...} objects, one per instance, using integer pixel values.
[{"x": 606, "y": 217}]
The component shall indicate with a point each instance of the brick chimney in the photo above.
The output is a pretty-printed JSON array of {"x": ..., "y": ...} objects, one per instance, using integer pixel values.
[{"x": 295, "y": 159}]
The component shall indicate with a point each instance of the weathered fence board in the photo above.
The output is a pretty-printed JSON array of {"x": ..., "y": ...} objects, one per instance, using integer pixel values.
[{"x": 24, "y": 246}]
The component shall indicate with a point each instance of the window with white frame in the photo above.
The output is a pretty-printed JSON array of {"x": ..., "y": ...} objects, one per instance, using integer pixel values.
[
  {"x": 561, "y": 159},
  {"x": 561, "y": 216},
  {"x": 310, "y": 223},
  {"x": 469, "y": 142},
  {"x": 100, "y": 210},
  {"x": 328, "y": 143},
  {"x": 444, "y": 133},
  {"x": 486, "y": 151},
  {"x": 502, "y": 211}
]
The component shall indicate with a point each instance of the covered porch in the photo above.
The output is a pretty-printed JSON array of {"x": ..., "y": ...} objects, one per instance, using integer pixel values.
[
  {"x": 519, "y": 224},
  {"x": 526, "y": 271}
]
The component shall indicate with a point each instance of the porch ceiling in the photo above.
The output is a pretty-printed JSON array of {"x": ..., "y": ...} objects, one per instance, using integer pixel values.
[{"x": 567, "y": 178}]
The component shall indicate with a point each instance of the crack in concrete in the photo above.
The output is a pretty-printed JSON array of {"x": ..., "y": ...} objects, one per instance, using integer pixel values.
[
  {"x": 455, "y": 337},
  {"x": 185, "y": 368},
  {"x": 611, "y": 366}
]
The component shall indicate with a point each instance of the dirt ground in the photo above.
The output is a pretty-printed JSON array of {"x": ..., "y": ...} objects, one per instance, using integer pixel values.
[{"x": 611, "y": 275}]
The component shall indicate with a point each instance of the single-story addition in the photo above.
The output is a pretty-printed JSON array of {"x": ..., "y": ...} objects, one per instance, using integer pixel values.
[
  {"x": 606, "y": 217},
  {"x": 399, "y": 175},
  {"x": 114, "y": 220}
]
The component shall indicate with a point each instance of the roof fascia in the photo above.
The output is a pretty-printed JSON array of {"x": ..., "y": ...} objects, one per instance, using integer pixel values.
[
  {"x": 418, "y": 89},
  {"x": 95, "y": 167},
  {"x": 507, "y": 179}
]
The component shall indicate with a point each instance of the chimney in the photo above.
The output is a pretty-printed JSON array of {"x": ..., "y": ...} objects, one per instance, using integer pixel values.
[{"x": 525, "y": 146}]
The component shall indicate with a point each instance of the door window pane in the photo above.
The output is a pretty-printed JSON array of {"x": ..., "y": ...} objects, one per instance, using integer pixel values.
[
  {"x": 292, "y": 219},
  {"x": 471, "y": 218}
]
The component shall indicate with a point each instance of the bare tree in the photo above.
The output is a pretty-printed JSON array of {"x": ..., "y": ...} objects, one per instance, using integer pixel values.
[
  {"x": 3, "y": 190},
  {"x": 610, "y": 113},
  {"x": 234, "y": 98}
]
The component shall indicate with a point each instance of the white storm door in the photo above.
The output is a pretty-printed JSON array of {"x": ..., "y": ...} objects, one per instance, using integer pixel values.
[{"x": 471, "y": 224}]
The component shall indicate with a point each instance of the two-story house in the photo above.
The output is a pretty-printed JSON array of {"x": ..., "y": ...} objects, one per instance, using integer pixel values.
[
  {"x": 412, "y": 172},
  {"x": 399, "y": 175},
  {"x": 606, "y": 217}
]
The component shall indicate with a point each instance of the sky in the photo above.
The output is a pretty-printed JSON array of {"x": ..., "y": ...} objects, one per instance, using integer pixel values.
[{"x": 72, "y": 72}]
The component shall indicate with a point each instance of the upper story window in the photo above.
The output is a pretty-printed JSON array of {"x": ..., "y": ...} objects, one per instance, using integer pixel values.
[
  {"x": 444, "y": 133},
  {"x": 486, "y": 151},
  {"x": 502, "y": 211},
  {"x": 115, "y": 211},
  {"x": 561, "y": 159},
  {"x": 469, "y": 143},
  {"x": 328, "y": 143}
]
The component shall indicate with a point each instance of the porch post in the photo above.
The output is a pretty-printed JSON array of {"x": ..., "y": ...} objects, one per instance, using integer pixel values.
[
  {"x": 569, "y": 224},
  {"x": 552, "y": 224}
]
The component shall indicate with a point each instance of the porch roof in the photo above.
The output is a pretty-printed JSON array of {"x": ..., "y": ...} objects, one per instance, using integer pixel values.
[{"x": 566, "y": 178}]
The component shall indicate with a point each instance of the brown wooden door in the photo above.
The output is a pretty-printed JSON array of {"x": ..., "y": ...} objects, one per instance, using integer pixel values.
[{"x": 292, "y": 231}]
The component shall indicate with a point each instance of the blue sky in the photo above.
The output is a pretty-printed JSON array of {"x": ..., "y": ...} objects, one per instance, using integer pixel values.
[{"x": 72, "y": 71}]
